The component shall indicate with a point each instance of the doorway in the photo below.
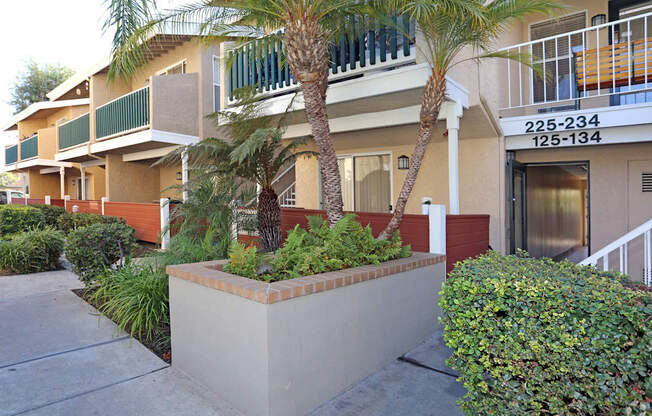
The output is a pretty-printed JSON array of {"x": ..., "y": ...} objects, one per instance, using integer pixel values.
[
  {"x": 78, "y": 183},
  {"x": 549, "y": 210}
]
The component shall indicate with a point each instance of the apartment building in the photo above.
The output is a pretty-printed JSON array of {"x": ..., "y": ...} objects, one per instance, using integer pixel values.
[{"x": 561, "y": 163}]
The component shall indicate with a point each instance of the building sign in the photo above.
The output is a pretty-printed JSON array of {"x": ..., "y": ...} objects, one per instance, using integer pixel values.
[{"x": 608, "y": 125}]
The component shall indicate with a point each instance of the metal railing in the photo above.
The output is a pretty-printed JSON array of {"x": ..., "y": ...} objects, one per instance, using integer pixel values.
[
  {"x": 262, "y": 63},
  {"x": 29, "y": 148},
  {"x": 129, "y": 112},
  {"x": 288, "y": 198},
  {"x": 622, "y": 245},
  {"x": 604, "y": 60},
  {"x": 74, "y": 132},
  {"x": 11, "y": 154}
]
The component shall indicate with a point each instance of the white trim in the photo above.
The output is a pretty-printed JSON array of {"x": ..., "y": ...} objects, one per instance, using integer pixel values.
[
  {"x": 41, "y": 162},
  {"x": 43, "y": 105},
  {"x": 91, "y": 163},
  {"x": 68, "y": 153},
  {"x": 143, "y": 136},
  {"x": 183, "y": 62},
  {"x": 148, "y": 154},
  {"x": 216, "y": 100},
  {"x": 382, "y": 83},
  {"x": 48, "y": 171}
]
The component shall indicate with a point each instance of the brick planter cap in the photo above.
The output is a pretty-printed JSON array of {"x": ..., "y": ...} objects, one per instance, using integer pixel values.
[{"x": 210, "y": 274}]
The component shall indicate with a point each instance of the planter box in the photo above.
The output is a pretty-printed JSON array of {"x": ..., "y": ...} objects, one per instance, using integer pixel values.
[{"x": 285, "y": 348}]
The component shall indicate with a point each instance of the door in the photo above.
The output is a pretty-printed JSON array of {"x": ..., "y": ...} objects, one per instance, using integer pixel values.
[
  {"x": 518, "y": 205},
  {"x": 640, "y": 211}
]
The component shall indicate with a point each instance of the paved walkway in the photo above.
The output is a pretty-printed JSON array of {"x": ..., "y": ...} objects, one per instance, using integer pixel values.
[{"x": 58, "y": 356}]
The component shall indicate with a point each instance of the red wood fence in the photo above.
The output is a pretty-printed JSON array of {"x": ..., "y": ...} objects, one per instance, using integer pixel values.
[
  {"x": 28, "y": 201},
  {"x": 93, "y": 207},
  {"x": 57, "y": 202},
  {"x": 144, "y": 218},
  {"x": 466, "y": 236}
]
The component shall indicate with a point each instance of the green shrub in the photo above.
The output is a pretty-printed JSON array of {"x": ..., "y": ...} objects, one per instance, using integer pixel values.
[
  {"x": 319, "y": 249},
  {"x": 19, "y": 218},
  {"x": 135, "y": 297},
  {"x": 536, "y": 337},
  {"x": 51, "y": 214},
  {"x": 94, "y": 248},
  {"x": 184, "y": 249},
  {"x": 31, "y": 252},
  {"x": 68, "y": 222}
]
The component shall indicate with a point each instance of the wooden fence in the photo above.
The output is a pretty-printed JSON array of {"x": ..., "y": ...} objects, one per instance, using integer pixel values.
[
  {"x": 466, "y": 236},
  {"x": 144, "y": 218}
]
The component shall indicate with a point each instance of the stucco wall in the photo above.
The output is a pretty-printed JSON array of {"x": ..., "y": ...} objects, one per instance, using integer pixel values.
[
  {"x": 168, "y": 178},
  {"x": 131, "y": 181},
  {"x": 47, "y": 143},
  {"x": 42, "y": 185},
  {"x": 481, "y": 172},
  {"x": 97, "y": 179}
]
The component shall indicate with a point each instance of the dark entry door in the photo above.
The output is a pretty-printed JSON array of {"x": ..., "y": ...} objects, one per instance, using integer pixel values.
[{"x": 518, "y": 219}]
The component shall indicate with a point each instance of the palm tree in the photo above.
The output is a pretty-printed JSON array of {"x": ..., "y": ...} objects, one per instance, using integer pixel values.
[
  {"x": 447, "y": 28},
  {"x": 250, "y": 147},
  {"x": 307, "y": 25}
]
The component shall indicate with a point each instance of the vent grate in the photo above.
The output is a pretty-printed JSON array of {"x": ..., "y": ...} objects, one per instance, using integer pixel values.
[{"x": 646, "y": 182}]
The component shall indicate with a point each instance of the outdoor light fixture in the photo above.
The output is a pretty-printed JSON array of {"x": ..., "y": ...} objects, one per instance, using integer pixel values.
[
  {"x": 598, "y": 19},
  {"x": 179, "y": 177},
  {"x": 403, "y": 162}
]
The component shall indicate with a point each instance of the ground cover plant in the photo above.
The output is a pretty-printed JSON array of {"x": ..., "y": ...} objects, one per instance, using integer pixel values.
[
  {"x": 534, "y": 336},
  {"x": 32, "y": 251},
  {"x": 319, "y": 249},
  {"x": 19, "y": 218}
]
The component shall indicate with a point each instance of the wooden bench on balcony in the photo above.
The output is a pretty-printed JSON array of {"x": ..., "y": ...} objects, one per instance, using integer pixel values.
[{"x": 619, "y": 65}]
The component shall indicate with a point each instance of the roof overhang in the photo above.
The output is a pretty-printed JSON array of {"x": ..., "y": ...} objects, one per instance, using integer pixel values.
[
  {"x": 141, "y": 141},
  {"x": 35, "y": 108},
  {"x": 36, "y": 163}
]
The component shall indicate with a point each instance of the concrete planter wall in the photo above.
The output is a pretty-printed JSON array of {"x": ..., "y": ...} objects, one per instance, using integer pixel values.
[{"x": 284, "y": 348}]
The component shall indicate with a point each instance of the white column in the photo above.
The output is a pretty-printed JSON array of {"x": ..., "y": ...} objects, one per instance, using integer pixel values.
[
  {"x": 184, "y": 174},
  {"x": 62, "y": 176},
  {"x": 165, "y": 223},
  {"x": 453, "y": 112},
  {"x": 66, "y": 201},
  {"x": 437, "y": 225},
  {"x": 83, "y": 183},
  {"x": 48, "y": 200},
  {"x": 104, "y": 200}
]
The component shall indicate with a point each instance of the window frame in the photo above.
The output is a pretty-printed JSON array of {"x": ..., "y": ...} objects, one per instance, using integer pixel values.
[{"x": 165, "y": 70}]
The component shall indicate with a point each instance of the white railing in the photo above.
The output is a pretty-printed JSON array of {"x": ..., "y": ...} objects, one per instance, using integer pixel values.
[
  {"x": 622, "y": 245},
  {"x": 603, "y": 60},
  {"x": 288, "y": 198}
]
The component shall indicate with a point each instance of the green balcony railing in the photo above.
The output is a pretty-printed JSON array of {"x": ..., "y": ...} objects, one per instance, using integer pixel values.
[
  {"x": 11, "y": 154},
  {"x": 74, "y": 132},
  {"x": 126, "y": 113},
  {"x": 262, "y": 63},
  {"x": 29, "y": 148}
]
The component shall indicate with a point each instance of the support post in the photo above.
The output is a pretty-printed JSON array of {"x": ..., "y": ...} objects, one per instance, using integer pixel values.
[
  {"x": 184, "y": 174},
  {"x": 62, "y": 177},
  {"x": 48, "y": 200},
  {"x": 83, "y": 183},
  {"x": 437, "y": 228},
  {"x": 104, "y": 200},
  {"x": 165, "y": 223},
  {"x": 453, "y": 114},
  {"x": 9, "y": 202},
  {"x": 66, "y": 198}
]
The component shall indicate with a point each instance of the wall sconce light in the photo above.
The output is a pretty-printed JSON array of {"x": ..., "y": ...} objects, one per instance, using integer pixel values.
[
  {"x": 403, "y": 162},
  {"x": 598, "y": 19},
  {"x": 179, "y": 177}
]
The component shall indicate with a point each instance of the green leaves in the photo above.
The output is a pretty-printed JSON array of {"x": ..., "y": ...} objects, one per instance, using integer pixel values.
[
  {"x": 534, "y": 336},
  {"x": 19, "y": 218},
  {"x": 32, "y": 252}
]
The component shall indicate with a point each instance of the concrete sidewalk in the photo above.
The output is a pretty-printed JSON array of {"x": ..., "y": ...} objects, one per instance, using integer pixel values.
[{"x": 58, "y": 356}]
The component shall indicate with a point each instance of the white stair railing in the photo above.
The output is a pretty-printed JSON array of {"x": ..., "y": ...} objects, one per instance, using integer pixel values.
[
  {"x": 621, "y": 244},
  {"x": 287, "y": 198}
]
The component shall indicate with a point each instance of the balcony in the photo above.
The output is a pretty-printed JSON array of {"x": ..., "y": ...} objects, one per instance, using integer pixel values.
[
  {"x": 378, "y": 48},
  {"x": 601, "y": 66},
  {"x": 122, "y": 115},
  {"x": 74, "y": 132},
  {"x": 11, "y": 154},
  {"x": 29, "y": 148}
]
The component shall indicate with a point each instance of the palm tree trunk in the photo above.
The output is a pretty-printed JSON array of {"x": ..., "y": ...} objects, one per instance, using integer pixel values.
[
  {"x": 433, "y": 97},
  {"x": 269, "y": 219},
  {"x": 330, "y": 172}
]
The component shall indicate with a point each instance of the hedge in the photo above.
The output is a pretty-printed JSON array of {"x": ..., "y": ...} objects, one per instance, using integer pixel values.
[
  {"x": 31, "y": 252},
  {"x": 96, "y": 247},
  {"x": 68, "y": 222},
  {"x": 534, "y": 336},
  {"x": 51, "y": 214},
  {"x": 18, "y": 218}
]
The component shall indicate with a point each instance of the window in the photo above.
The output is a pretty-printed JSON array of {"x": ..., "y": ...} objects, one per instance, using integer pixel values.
[
  {"x": 366, "y": 183},
  {"x": 178, "y": 68},
  {"x": 554, "y": 56},
  {"x": 646, "y": 182},
  {"x": 216, "y": 84}
]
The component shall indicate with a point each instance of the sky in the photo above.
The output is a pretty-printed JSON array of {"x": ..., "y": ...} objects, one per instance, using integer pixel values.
[{"x": 68, "y": 32}]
